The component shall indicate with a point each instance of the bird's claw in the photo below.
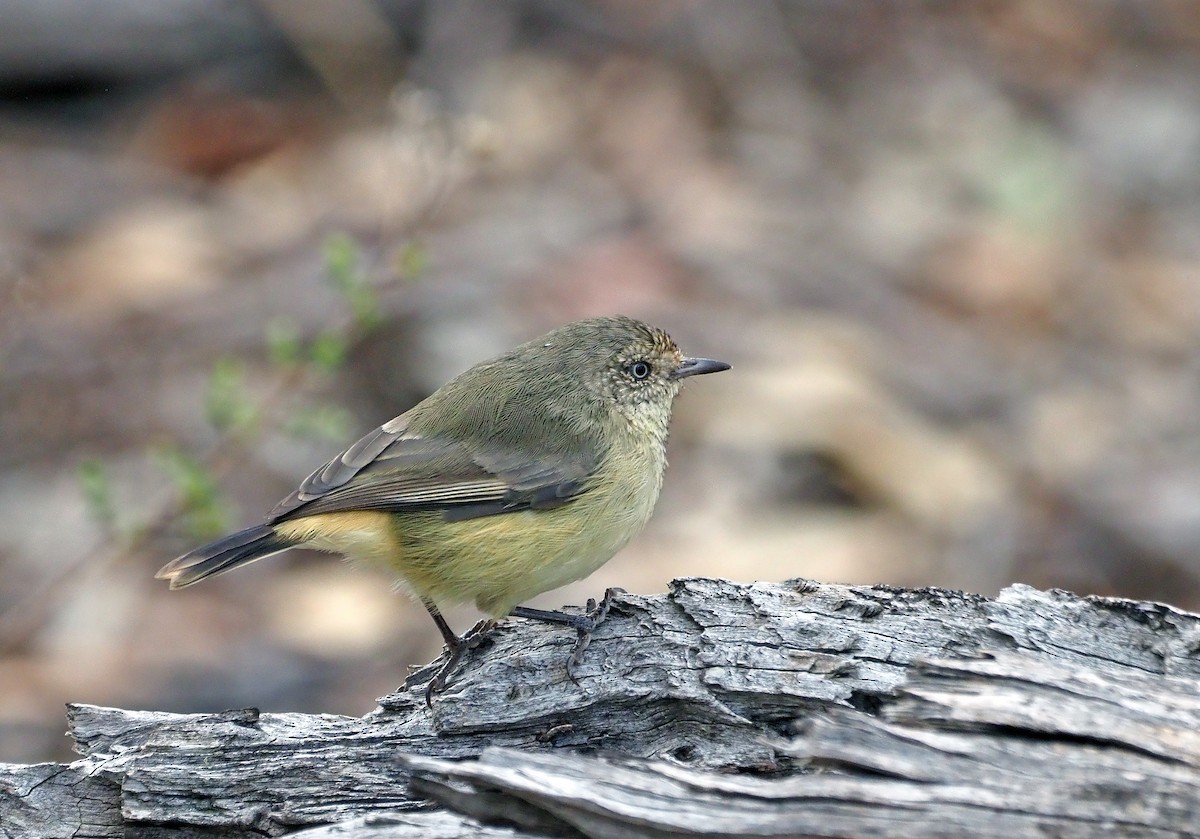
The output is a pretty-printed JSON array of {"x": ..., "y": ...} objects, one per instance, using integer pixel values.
[
  {"x": 596, "y": 613},
  {"x": 470, "y": 639}
]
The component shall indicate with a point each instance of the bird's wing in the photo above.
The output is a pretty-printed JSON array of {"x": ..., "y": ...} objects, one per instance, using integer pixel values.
[{"x": 394, "y": 469}]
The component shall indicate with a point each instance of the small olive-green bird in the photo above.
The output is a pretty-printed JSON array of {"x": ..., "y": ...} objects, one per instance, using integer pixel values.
[{"x": 523, "y": 474}]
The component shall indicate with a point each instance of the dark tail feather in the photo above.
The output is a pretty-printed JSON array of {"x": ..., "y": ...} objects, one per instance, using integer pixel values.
[{"x": 222, "y": 555}]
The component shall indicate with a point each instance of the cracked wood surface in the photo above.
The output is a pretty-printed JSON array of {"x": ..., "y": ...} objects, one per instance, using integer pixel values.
[{"x": 697, "y": 712}]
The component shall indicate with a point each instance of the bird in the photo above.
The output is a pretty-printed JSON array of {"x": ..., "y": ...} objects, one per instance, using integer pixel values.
[{"x": 523, "y": 474}]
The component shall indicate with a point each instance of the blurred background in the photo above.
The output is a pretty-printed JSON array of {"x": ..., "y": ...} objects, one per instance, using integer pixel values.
[{"x": 952, "y": 250}]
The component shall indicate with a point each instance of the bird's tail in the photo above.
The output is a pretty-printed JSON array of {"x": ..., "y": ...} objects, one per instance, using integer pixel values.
[{"x": 224, "y": 554}]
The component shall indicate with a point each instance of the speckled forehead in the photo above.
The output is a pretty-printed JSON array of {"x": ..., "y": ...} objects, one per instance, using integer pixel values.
[
  {"x": 663, "y": 345},
  {"x": 653, "y": 343}
]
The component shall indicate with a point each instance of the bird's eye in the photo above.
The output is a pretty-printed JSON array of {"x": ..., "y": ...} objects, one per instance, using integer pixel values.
[{"x": 639, "y": 370}]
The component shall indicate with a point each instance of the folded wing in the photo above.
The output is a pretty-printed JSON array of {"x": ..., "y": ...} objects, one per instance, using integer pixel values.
[{"x": 394, "y": 469}]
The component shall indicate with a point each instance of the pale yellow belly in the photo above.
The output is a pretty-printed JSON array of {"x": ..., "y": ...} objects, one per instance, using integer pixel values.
[
  {"x": 500, "y": 561},
  {"x": 496, "y": 562}
]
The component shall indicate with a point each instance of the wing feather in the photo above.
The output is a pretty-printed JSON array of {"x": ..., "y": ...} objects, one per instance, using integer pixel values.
[{"x": 394, "y": 469}]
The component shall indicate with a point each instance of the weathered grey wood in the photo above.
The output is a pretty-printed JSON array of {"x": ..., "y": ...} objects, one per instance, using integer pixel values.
[
  {"x": 1028, "y": 771},
  {"x": 430, "y": 824},
  {"x": 1157, "y": 715},
  {"x": 35, "y": 800},
  {"x": 712, "y": 675}
]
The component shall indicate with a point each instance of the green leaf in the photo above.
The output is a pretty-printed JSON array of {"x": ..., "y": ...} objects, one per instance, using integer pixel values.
[
  {"x": 284, "y": 345},
  {"x": 203, "y": 512},
  {"x": 227, "y": 405},
  {"x": 1028, "y": 180},
  {"x": 412, "y": 261},
  {"x": 98, "y": 493},
  {"x": 365, "y": 306},
  {"x": 342, "y": 261},
  {"x": 320, "y": 422},
  {"x": 328, "y": 351}
]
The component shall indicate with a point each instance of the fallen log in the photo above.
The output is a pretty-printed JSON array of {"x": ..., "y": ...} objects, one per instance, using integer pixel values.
[{"x": 716, "y": 709}]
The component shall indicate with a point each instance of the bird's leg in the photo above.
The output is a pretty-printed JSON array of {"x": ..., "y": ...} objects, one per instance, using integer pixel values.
[
  {"x": 455, "y": 646},
  {"x": 584, "y": 624}
]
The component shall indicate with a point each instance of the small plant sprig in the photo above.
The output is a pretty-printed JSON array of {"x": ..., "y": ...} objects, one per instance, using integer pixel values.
[
  {"x": 228, "y": 407},
  {"x": 458, "y": 148},
  {"x": 343, "y": 263},
  {"x": 98, "y": 494},
  {"x": 232, "y": 411},
  {"x": 205, "y": 515},
  {"x": 240, "y": 420}
]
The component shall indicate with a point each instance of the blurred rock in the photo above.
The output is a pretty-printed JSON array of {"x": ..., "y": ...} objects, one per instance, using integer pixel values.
[
  {"x": 151, "y": 255},
  {"x": 42, "y": 43}
]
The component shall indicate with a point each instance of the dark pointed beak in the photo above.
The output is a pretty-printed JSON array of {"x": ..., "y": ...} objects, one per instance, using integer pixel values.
[{"x": 696, "y": 366}]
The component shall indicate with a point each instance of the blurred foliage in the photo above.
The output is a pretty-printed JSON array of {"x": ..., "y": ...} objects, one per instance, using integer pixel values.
[
  {"x": 343, "y": 262},
  {"x": 327, "y": 352},
  {"x": 235, "y": 413},
  {"x": 1030, "y": 182},
  {"x": 285, "y": 347},
  {"x": 412, "y": 261},
  {"x": 320, "y": 422},
  {"x": 97, "y": 488},
  {"x": 227, "y": 405},
  {"x": 204, "y": 514}
]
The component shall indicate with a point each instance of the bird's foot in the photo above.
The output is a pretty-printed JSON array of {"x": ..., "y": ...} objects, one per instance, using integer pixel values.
[
  {"x": 596, "y": 613},
  {"x": 469, "y": 641},
  {"x": 584, "y": 624}
]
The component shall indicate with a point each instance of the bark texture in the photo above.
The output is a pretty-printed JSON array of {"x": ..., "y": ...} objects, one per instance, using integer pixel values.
[{"x": 716, "y": 709}]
